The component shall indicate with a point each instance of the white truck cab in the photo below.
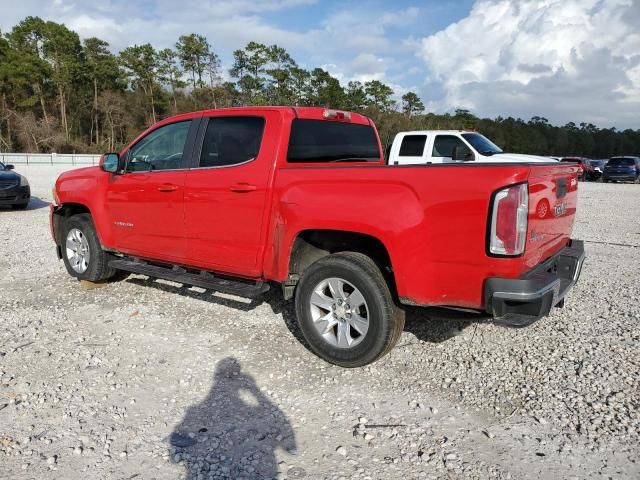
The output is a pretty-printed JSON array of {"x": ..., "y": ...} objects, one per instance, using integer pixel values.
[{"x": 450, "y": 146}]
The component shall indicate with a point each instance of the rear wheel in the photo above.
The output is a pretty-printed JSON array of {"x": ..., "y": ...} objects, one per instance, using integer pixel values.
[
  {"x": 346, "y": 311},
  {"x": 20, "y": 206},
  {"x": 82, "y": 253}
]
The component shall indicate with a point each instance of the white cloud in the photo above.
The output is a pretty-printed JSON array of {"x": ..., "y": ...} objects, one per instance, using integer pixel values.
[
  {"x": 368, "y": 64},
  {"x": 567, "y": 60}
]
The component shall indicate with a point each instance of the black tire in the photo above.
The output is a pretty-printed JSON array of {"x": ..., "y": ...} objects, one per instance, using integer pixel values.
[
  {"x": 386, "y": 319},
  {"x": 20, "y": 206},
  {"x": 605, "y": 180},
  {"x": 98, "y": 266}
]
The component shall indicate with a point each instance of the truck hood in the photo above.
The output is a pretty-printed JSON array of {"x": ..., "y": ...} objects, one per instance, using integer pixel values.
[
  {"x": 514, "y": 158},
  {"x": 80, "y": 172}
]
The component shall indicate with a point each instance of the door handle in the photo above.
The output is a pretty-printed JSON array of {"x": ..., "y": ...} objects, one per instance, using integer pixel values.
[
  {"x": 243, "y": 187},
  {"x": 168, "y": 187}
]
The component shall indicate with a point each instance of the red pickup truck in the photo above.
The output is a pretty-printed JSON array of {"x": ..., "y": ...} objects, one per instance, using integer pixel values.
[{"x": 236, "y": 200}]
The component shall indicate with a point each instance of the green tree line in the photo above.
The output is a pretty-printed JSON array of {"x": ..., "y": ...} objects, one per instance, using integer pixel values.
[{"x": 60, "y": 93}]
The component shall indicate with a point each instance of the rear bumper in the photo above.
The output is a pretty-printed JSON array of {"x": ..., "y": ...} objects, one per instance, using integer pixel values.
[
  {"x": 623, "y": 177},
  {"x": 519, "y": 302}
]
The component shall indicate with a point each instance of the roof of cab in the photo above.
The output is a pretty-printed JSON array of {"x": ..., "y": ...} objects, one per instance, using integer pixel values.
[
  {"x": 310, "y": 113},
  {"x": 439, "y": 132}
]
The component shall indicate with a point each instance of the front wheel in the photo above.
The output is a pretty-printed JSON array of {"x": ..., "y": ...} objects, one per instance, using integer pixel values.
[
  {"x": 82, "y": 253},
  {"x": 346, "y": 311}
]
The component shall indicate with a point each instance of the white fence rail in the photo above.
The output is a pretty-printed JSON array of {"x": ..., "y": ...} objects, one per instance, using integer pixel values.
[{"x": 48, "y": 159}]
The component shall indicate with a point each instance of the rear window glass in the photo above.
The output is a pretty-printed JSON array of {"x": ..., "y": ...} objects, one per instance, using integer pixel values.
[
  {"x": 413, "y": 145},
  {"x": 318, "y": 141},
  {"x": 620, "y": 162}
]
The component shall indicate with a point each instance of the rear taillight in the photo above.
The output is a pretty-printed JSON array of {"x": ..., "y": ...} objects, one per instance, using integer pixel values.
[{"x": 508, "y": 229}]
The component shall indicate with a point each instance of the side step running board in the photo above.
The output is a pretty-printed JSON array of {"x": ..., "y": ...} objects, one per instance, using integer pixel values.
[{"x": 202, "y": 280}]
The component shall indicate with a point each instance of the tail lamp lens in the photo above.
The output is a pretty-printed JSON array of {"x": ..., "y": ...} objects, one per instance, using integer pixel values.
[{"x": 509, "y": 213}]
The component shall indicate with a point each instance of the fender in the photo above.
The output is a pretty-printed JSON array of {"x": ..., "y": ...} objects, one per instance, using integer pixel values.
[
  {"x": 86, "y": 186},
  {"x": 338, "y": 205}
]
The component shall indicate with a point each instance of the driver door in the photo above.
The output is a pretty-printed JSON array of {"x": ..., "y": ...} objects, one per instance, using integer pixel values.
[{"x": 146, "y": 202}]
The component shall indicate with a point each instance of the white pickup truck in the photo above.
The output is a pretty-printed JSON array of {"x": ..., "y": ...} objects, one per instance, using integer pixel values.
[{"x": 450, "y": 146}]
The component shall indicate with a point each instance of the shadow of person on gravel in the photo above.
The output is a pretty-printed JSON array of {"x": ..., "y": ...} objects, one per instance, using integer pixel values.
[{"x": 234, "y": 432}]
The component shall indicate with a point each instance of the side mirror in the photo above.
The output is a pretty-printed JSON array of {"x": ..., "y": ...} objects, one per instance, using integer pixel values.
[
  {"x": 9, "y": 167},
  {"x": 462, "y": 154},
  {"x": 110, "y": 162}
]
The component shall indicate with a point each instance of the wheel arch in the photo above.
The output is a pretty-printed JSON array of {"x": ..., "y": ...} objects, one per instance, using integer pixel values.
[
  {"x": 61, "y": 213},
  {"x": 311, "y": 245},
  {"x": 68, "y": 209}
]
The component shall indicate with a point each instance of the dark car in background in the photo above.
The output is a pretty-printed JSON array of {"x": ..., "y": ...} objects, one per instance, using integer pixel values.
[
  {"x": 622, "y": 169},
  {"x": 586, "y": 170},
  {"x": 597, "y": 167},
  {"x": 14, "y": 188}
]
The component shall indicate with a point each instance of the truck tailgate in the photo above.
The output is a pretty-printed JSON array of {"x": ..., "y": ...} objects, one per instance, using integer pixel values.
[{"x": 553, "y": 196}]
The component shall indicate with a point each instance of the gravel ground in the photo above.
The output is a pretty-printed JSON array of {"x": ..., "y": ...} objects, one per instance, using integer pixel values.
[{"x": 147, "y": 379}]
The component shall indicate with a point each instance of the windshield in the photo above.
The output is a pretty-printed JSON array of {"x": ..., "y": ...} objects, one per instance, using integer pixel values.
[
  {"x": 2, "y": 167},
  {"x": 620, "y": 162},
  {"x": 481, "y": 143}
]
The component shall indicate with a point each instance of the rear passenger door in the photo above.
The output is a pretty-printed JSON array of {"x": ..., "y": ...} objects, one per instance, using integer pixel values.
[
  {"x": 411, "y": 150},
  {"x": 226, "y": 192}
]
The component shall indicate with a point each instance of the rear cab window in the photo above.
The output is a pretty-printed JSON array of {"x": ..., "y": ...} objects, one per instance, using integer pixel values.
[{"x": 325, "y": 141}]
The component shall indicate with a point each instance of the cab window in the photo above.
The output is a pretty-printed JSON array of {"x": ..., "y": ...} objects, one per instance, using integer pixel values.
[
  {"x": 412, "y": 145},
  {"x": 231, "y": 141},
  {"x": 444, "y": 144},
  {"x": 162, "y": 149}
]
